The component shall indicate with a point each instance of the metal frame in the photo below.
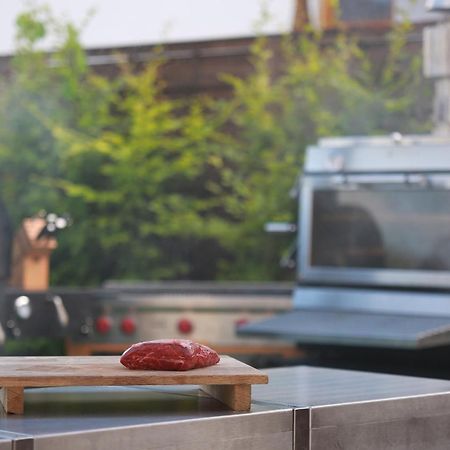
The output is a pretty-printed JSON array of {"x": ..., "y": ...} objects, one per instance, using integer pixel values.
[
  {"x": 352, "y": 276},
  {"x": 303, "y": 408},
  {"x": 263, "y": 430}
]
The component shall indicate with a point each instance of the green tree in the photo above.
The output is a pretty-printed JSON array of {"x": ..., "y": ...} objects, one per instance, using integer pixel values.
[
  {"x": 47, "y": 89},
  {"x": 160, "y": 194},
  {"x": 321, "y": 90},
  {"x": 161, "y": 188}
]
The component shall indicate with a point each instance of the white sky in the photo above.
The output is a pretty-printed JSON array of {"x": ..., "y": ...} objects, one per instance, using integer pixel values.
[{"x": 125, "y": 22}]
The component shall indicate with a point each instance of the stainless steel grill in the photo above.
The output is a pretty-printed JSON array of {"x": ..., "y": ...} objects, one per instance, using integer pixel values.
[
  {"x": 373, "y": 246},
  {"x": 211, "y": 313}
]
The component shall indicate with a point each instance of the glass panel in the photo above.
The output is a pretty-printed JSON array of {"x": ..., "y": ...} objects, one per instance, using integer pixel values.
[
  {"x": 367, "y": 10},
  {"x": 390, "y": 228}
]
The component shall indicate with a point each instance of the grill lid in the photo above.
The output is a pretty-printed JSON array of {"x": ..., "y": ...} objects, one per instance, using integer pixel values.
[{"x": 356, "y": 328}]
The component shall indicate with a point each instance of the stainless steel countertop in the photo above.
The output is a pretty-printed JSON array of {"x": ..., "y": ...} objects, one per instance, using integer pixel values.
[
  {"x": 112, "y": 418},
  {"x": 304, "y": 386},
  {"x": 91, "y": 414},
  {"x": 50, "y": 410}
]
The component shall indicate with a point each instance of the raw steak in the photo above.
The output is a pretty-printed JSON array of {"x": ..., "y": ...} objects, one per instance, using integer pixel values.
[{"x": 168, "y": 354}]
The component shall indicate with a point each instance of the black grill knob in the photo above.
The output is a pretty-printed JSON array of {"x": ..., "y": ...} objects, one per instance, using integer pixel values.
[{"x": 85, "y": 329}]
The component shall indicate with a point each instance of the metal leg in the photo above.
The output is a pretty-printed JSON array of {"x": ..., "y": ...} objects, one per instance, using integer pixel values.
[
  {"x": 237, "y": 396},
  {"x": 12, "y": 399}
]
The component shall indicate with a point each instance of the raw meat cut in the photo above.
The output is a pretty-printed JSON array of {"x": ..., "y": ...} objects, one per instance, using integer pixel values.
[{"x": 168, "y": 354}]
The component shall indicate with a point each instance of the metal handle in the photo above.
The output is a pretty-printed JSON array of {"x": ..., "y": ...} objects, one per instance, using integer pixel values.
[
  {"x": 61, "y": 311},
  {"x": 386, "y": 180},
  {"x": 280, "y": 227},
  {"x": 373, "y": 179},
  {"x": 289, "y": 258}
]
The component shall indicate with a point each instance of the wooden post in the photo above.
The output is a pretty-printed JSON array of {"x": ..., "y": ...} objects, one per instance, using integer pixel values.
[
  {"x": 31, "y": 256},
  {"x": 301, "y": 15},
  {"x": 328, "y": 10},
  {"x": 12, "y": 399},
  {"x": 237, "y": 396}
]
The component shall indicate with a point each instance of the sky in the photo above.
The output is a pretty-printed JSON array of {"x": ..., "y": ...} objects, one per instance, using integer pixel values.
[{"x": 130, "y": 22}]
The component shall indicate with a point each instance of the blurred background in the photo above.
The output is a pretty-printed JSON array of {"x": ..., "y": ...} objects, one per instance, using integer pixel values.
[
  {"x": 170, "y": 154},
  {"x": 146, "y": 148}
]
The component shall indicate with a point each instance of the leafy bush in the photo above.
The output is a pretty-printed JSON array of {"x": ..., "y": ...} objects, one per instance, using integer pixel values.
[{"x": 161, "y": 188}]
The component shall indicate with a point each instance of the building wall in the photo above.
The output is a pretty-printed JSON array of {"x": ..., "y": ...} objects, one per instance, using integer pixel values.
[{"x": 193, "y": 68}]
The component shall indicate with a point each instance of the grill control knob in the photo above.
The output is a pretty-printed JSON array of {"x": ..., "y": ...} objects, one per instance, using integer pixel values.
[
  {"x": 103, "y": 324},
  {"x": 22, "y": 306},
  {"x": 241, "y": 322},
  {"x": 16, "y": 332},
  {"x": 85, "y": 329},
  {"x": 128, "y": 325},
  {"x": 185, "y": 326}
]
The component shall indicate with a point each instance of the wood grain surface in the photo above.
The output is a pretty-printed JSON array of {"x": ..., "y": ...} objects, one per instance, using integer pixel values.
[
  {"x": 40, "y": 371},
  {"x": 237, "y": 397},
  {"x": 12, "y": 399}
]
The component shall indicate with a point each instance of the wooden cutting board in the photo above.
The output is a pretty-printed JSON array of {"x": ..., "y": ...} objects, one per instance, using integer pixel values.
[{"x": 229, "y": 381}]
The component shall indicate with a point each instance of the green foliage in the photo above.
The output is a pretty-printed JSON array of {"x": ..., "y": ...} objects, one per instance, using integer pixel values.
[
  {"x": 154, "y": 186},
  {"x": 161, "y": 188},
  {"x": 33, "y": 347},
  {"x": 319, "y": 91}
]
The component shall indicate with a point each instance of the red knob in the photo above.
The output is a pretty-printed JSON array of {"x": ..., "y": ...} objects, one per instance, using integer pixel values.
[
  {"x": 185, "y": 326},
  {"x": 128, "y": 325},
  {"x": 103, "y": 324},
  {"x": 241, "y": 322}
]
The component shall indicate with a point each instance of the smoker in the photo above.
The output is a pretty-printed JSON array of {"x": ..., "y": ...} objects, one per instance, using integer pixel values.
[
  {"x": 28, "y": 309},
  {"x": 373, "y": 254}
]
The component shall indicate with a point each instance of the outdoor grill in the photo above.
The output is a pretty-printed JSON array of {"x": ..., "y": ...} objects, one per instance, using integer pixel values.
[
  {"x": 27, "y": 313},
  {"x": 373, "y": 251},
  {"x": 110, "y": 319}
]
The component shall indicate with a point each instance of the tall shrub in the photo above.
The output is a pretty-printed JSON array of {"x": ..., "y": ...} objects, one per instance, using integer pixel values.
[{"x": 161, "y": 188}]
